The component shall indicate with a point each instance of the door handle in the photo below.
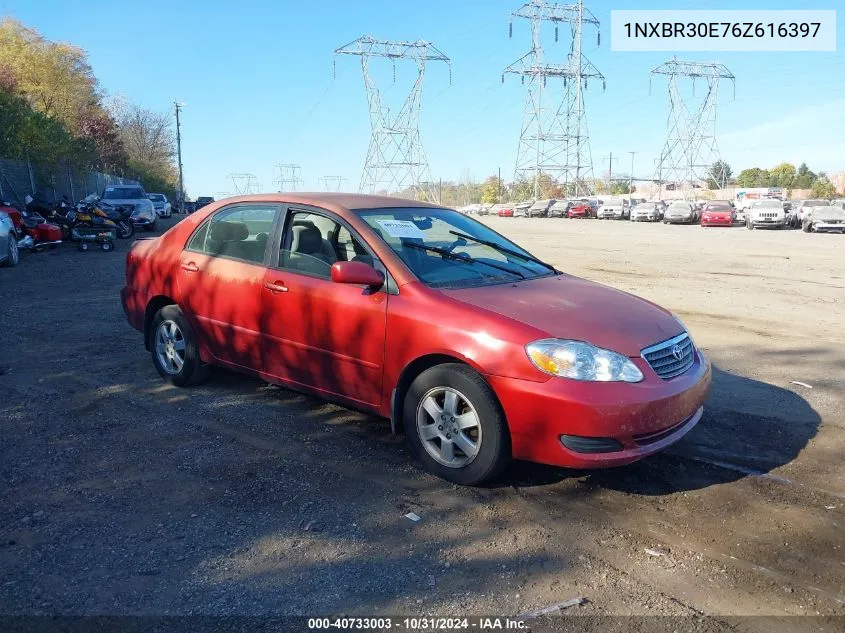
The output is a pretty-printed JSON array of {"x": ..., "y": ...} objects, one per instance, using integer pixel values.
[
  {"x": 191, "y": 267},
  {"x": 276, "y": 286}
]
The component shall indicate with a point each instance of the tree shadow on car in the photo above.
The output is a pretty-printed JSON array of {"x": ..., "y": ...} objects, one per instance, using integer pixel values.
[{"x": 749, "y": 428}]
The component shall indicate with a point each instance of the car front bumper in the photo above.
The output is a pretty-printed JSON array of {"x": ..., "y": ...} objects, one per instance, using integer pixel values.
[
  {"x": 613, "y": 214},
  {"x": 637, "y": 419},
  {"x": 163, "y": 213},
  {"x": 717, "y": 222},
  {"x": 768, "y": 224},
  {"x": 824, "y": 226},
  {"x": 651, "y": 217},
  {"x": 143, "y": 220}
]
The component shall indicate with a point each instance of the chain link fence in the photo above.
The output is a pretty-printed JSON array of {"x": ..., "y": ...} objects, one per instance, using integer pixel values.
[{"x": 19, "y": 179}]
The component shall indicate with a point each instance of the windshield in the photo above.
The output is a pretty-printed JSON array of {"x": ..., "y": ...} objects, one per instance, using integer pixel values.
[
  {"x": 768, "y": 204},
  {"x": 123, "y": 193},
  {"x": 816, "y": 203},
  {"x": 679, "y": 207},
  {"x": 646, "y": 206},
  {"x": 413, "y": 234},
  {"x": 613, "y": 202}
]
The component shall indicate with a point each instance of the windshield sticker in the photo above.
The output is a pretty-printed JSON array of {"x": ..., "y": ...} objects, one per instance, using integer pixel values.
[{"x": 401, "y": 228}]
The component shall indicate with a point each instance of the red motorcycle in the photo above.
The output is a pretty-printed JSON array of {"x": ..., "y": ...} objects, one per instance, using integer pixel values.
[{"x": 34, "y": 232}]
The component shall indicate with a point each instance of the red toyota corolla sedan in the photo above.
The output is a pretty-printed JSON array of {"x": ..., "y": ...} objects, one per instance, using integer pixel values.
[{"x": 479, "y": 351}]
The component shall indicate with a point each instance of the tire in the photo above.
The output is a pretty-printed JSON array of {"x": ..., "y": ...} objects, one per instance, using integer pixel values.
[
  {"x": 749, "y": 225},
  {"x": 192, "y": 370},
  {"x": 471, "y": 395},
  {"x": 153, "y": 226},
  {"x": 13, "y": 255},
  {"x": 83, "y": 246},
  {"x": 807, "y": 227},
  {"x": 107, "y": 246},
  {"x": 125, "y": 229}
]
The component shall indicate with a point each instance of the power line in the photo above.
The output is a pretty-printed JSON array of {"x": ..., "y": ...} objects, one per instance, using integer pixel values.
[
  {"x": 332, "y": 183},
  {"x": 287, "y": 178},
  {"x": 690, "y": 150},
  {"x": 395, "y": 158},
  {"x": 555, "y": 140}
]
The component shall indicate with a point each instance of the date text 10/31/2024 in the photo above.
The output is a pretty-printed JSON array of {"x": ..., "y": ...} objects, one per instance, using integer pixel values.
[{"x": 418, "y": 623}]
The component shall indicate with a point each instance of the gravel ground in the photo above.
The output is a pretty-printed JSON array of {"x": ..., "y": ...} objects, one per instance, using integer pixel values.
[{"x": 125, "y": 496}]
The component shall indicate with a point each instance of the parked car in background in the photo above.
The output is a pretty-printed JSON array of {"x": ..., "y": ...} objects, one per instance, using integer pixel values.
[
  {"x": 838, "y": 202},
  {"x": 560, "y": 209},
  {"x": 765, "y": 214},
  {"x": 718, "y": 215},
  {"x": 613, "y": 209},
  {"x": 540, "y": 209},
  {"x": 134, "y": 196},
  {"x": 503, "y": 210},
  {"x": 680, "y": 212},
  {"x": 739, "y": 216},
  {"x": 632, "y": 202},
  {"x": 520, "y": 209},
  {"x": 646, "y": 212},
  {"x": 660, "y": 205},
  {"x": 202, "y": 201},
  {"x": 9, "y": 255},
  {"x": 335, "y": 296},
  {"x": 481, "y": 209},
  {"x": 797, "y": 218},
  {"x": 162, "y": 207},
  {"x": 829, "y": 219},
  {"x": 579, "y": 209}
]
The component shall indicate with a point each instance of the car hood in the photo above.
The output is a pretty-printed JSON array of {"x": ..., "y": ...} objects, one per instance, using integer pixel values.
[
  {"x": 828, "y": 215},
  {"x": 569, "y": 307},
  {"x": 678, "y": 213},
  {"x": 718, "y": 212},
  {"x": 116, "y": 202}
]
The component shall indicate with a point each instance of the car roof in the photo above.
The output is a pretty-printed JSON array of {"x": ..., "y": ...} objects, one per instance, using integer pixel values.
[{"x": 334, "y": 201}]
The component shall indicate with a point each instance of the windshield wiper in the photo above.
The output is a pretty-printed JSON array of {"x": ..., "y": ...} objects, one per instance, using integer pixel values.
[
  {"x": 505, "y": 250},
  {"x": 461, "y": 258}
]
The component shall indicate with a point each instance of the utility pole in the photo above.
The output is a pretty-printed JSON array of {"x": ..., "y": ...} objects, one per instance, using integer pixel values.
[
  {"x": 691, "y": 149},
  {"x": 395, "y": 158},
  {"x": 499, "y": 187},
  {"x": 610, "y": 160},
  {"x": 631, "y": 180},
  {"x": 181, "y": 196},
  {"x": 554, "y": 138},
  {"x": 288, "y": 178}
]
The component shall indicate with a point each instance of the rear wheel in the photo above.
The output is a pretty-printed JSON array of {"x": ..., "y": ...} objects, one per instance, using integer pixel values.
[
  {"x": 174, "y": 348},
  {"x": 455, "y": 425}
]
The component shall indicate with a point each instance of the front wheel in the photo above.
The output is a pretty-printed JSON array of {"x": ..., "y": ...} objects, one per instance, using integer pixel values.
[
  {"x": 807, "y": 227},
  {"x": 13, "y": 255},
  {"x": 125, "y": 229},
  {"x": 175, "y": 349},
  {"x": 749, "y": 225},
  {"x": 455, "y": 425}
]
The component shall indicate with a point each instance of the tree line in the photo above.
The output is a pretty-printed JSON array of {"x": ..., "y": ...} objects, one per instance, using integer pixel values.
[
  {"x": 785, "y": 175},
  {"x": 53, "y": 111}
]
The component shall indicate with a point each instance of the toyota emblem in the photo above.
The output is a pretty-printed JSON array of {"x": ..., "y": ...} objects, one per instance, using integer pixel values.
[{"x": 677, "y": 352}]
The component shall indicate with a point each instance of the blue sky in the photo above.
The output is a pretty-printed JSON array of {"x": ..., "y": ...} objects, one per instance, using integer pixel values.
[{"x": 256, "y": 80}]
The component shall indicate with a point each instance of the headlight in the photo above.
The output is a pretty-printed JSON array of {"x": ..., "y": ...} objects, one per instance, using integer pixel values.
[{"x": 581, "y": 361}]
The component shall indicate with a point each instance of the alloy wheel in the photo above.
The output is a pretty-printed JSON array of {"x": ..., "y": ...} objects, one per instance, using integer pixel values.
[
  {"x": 170, "y": 347},
  {"x": 449, "y": 427},
  {"x": 14, "y": 254}
]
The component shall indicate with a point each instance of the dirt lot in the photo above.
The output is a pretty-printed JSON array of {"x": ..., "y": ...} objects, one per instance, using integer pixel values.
[{"x": 125, "y": 496}]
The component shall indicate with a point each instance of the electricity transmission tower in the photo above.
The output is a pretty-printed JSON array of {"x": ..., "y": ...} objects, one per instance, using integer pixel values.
[
  {"x": 395, "y": 158},
  {"x": 691, "y": 150},
  {"x": 288, "y": 177},
  {"x": 220, "y": 195},
  {"x": 333, "y": 183},
  {"x": 244, "y": 184},
  {"x": 554, "y": 139}
]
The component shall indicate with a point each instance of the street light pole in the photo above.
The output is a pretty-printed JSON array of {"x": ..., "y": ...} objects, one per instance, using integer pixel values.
[
  {"x": 631, "y": 183},
  {"x": 181, "y": 196}
]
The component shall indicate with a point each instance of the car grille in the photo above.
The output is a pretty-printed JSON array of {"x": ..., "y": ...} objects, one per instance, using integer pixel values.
[
  {"x": 663, "y": 359},
  {"x": 769, "y": 214}
]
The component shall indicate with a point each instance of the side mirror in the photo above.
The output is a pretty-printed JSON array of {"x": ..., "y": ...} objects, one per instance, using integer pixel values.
[{"x": 357, "y": 273}]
